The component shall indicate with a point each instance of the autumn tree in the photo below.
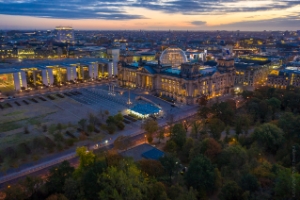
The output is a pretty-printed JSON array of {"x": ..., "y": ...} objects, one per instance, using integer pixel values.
[
  {"x": 216, "y": 127},
  {"x": 178, "y": 135},
  {"x": 269, "y": 136},
  {"x": 201, "y": 175}
]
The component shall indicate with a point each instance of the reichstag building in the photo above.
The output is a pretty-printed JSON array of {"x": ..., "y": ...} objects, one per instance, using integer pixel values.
[{"x": 174, "y": 78}]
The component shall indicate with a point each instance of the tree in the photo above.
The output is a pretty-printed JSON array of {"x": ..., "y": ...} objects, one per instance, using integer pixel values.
[
  {"x": 86, "y": 159},
  {"x": 15, "y": 192},
  {"x": 216, "y": 127},
  {"x": 58, "y": 176},
  {"x": 275, "y": 105},
  {"x": 224, "y": 111},
  {"x": 82, "y": 123},
  {"x": 196, "y": 127},
  {"x": 111, "y": 128},
  {"x": 231, "y": 191},
  {"x": 263, "y": 110},
  {"x": 211, "y": 148},
  {"x": 59, "y": 127},
  {"x": 106, "y": 112},
  {"x": 170, "y": 121},
  {"x": 233, "y": 156},
  {"x": 151, "y": 167},
  {"x": 31, "y": 185},
  {"x": 249, "y": 182},
  {"x": 161, "y": 134},
  {"x": 150, "y": 126},
  {"x": 204, "y": 111},
  {"x": 26, "y": 131},
  {"x": 156, "y": 191},
  {"x": 119, "y": 117},
  {"x": 122, "y": 183},
  {"x": 170, "y": 164},
  {"x": 72, "y": 189},
  {"x": 186, "y": 150},
  {"x": 238, "y": 126},
  {"x": 57, "y": 197},
  {"x": 92, "y": 122},
  {"x": 287, "y": 185},
  {"x": 171, "y": 146},
  {"x": 89, "y": 181},
  {"x": 289, "y": 124},
  {"x": 149, "y": 138},
  {"x": 269, "y": 136},
  {"x": 178, "y": 135},
  {"x": 201, "y": 175},
  {"x": 247, "y": 94}
]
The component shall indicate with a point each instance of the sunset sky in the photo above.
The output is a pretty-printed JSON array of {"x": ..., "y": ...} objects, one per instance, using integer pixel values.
[{"x": 151, "y": 14}]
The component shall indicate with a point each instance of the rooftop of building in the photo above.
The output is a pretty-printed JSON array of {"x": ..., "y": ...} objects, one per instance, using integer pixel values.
[
  {"x": 8, "y": 71},
  {"x": 143, "y": 151},
  {"x": 44, "y": 63}
]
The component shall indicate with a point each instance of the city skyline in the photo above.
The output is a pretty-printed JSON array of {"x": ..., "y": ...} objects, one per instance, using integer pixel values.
[{"x": 241, "y": 15}]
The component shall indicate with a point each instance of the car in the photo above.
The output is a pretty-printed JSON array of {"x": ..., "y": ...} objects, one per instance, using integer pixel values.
[
  {"x": 10, "y": 97},
  {"x": 2, "y": 99}
]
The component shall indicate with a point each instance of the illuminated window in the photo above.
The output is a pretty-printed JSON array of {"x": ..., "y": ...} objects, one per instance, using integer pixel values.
[
  {"x": 20, "y": 78},
  {"x": 47, "y": 75}
]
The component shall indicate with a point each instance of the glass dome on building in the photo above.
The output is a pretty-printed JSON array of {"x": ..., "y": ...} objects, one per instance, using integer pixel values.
[{"x": 173, "y": 56}]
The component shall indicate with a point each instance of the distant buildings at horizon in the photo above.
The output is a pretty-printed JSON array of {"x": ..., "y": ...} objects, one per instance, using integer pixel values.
[{"x": 64, "y": 34}]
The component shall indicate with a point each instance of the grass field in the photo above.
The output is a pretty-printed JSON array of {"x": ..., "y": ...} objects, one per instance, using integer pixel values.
[{"x": 9, "y": 126}]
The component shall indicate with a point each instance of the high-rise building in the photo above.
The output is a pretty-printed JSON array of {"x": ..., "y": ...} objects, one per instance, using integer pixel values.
[{"x": 64, "y": 34}]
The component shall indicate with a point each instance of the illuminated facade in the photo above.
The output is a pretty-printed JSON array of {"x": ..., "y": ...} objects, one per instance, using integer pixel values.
[
  {"x": 64, "y": 34},
  {"x": 38, "y": 75},
  {"x": 12, "y": 80},
  {"x": 185, "y": 85},
  {"x": 290, "y": 76},
  {"x": 173, "y": 56},
  {"x": 250, "y": 75},
  {"x": 113, "y": 54}
]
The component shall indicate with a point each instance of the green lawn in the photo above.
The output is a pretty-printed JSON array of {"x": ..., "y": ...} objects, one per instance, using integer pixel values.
[
  {"x": 9, "y": 126},
  {"x": 14, "y": 113}
]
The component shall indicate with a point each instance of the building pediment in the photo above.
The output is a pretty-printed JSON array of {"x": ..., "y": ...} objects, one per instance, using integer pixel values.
[{"x": 146, "y": 70}]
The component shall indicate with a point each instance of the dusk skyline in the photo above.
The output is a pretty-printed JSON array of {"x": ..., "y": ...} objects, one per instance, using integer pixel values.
[{"x": 246, "y": 15}]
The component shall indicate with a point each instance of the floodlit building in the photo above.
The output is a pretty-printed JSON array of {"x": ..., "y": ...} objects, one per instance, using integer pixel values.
[
  {"x": 185, "y": 83},
  {"x": 249, "y": 75},
  {"x": 113, "y": 54},
  {"x": 64, "y": 34},
  {"x": 48, "y": 73},
  {"x": 173, "y": 56},
  {"x": 290, "y": 76},
  {"x": 12, "y": 80}
]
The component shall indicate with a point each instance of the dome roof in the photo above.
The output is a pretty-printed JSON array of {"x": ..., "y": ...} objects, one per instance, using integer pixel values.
[{"x": 173, "y": 56}]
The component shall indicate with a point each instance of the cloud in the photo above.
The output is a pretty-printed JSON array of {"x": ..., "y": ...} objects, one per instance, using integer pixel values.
[
  {"x": 198, "y": 23},
  {"x": 215, "y": 7},
  {"x": 287, "y": 22},
  {"x": 71, "y": 9},
  {"x": 115, "y": 9}
]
